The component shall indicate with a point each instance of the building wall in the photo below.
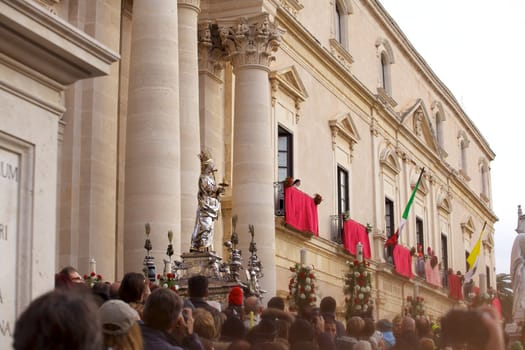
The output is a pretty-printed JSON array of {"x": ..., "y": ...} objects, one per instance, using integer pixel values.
[{"x": 337, "y": 116}]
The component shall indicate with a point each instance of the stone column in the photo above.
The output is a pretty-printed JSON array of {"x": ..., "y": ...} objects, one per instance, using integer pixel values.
[
  {"x": 212, "y": 115},
  {"x": 250, "y": 44},
  {"x": 88, "y": 167},
  {"x": 189, "y": 117},
  {"x": 152, "y": 179}
]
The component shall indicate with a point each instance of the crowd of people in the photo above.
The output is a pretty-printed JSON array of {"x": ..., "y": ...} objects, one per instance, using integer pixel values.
[{"x": 132, "y": 315}]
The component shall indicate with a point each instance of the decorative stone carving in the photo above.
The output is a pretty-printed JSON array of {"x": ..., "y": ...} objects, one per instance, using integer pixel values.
[
  {"x": 250, "y": 41},
  {"x": 211, "y": 54}
]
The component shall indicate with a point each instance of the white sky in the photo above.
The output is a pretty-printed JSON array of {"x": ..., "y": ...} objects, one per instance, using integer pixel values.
[{"x": 477, "y": 49}]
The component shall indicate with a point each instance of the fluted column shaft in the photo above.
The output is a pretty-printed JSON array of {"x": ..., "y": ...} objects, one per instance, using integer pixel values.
[
  {"x": 152, "y": 179},
  {"x": 189, "y": 117},
  {"x": 249, "y": 44}
]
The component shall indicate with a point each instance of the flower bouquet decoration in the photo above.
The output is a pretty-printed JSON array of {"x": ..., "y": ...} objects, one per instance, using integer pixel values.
[
  {"x": 168, "y": 280},
  {"x": 358, "y": 289},
  {"x": 415, "y": 306},
  {"x": 92, "y": 278},
  {"x": 302, "y": 287}
]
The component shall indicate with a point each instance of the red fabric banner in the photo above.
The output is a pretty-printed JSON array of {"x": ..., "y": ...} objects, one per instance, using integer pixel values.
[
  {"x": 354, "y": 232},
  {"x": 300, "y": 211},
  {"x": 432, "y": 274},
  {"x": 403, "y": 261},
  {"x": 454, "y": 287}
]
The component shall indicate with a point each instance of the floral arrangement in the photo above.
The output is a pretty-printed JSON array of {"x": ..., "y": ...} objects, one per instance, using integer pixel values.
[
  {"x": 368, "y": 228},
  {"x": 168, "y": 281},
  {"x": 302, "y": 287},
  {"x": 92, "y": 278},
  {"x": 358, "y": 289},
  {"x": 415, "y": 306},
  {"x": 317, "y": 199},
  {"x": 346, "y": 215}
]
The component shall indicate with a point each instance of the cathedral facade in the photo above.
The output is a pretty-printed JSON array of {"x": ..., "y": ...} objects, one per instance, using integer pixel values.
[{"x": 120, "y": 97}]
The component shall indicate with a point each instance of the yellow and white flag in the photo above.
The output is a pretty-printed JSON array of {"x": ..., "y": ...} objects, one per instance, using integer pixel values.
[{"x": 473, "y": 258}]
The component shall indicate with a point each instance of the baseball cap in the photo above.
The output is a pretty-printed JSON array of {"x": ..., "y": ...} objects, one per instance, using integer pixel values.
[{"x": 117, "y": 317}]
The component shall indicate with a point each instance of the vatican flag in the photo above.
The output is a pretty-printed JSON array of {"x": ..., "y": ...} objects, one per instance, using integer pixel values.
[{"x": 473, "y": 258}]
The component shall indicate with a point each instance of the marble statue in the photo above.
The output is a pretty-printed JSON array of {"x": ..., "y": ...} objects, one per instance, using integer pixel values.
[
  {"x": 517, "y": 270},
  {"x": 209, "y": 206}
]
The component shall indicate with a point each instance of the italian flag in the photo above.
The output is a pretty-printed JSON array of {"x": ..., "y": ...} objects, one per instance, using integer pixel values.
[
  {"x": 392, "y": 241},
  {"x": 473, "y": 257}
]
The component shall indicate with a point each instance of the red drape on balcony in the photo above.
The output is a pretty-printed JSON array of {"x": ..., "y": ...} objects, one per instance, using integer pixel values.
[
  {"x": 454, "y": 287},
  {"x": 354, "y": 232},
  {"x": 403, "y": 261},
  {"x": 432, "y": 274},
  {"x": 300, "y": 211}
]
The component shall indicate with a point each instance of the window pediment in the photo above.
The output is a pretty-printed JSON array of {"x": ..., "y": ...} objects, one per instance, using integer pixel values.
[
  {"x": 417, "y": 121},
  {"x": 288, "y": 81},
  {"x": 468, "y": 227},
  {"x": 344, "y": 127},
  {"x": 388, "y": 159}
]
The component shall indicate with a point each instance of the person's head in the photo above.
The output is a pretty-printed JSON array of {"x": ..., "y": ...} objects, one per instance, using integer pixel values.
[
  {"x": 72, "y": 273},
  {"x": 397, "y": 323},
  {"x": 423, "y": 327},
  {"x": 232, "y": 329},
  {"x": 327, "y": 305},
  {"x": 119, "y": 326},
  {"x": 264, "y": 331},
  {"x": 235, "y": 297},
  {"x": 301, "y": 330},
  {"x": 252, "y": 304},
  {"x": 304, "y": 345},
  {"x": 59, "y": 320},
  {"x": 204, "y": 324},
  {"x": 162, "y": 309},
  {"x": 330, "y": 327},
  {"x": 100, "y": 291},
  {"x": 132, "y": 287},
  {"x": 426, "y": 344},
  {"x": 276, "y": 303},
  {"x": 369, "y": 328},
  {"x": 113, "y": 290},
  {"x": 354, "y": 326},
  {"x": 240, "y": 345},
  {"x": 408, "y": 325},
  {"x": 297, "y": 182},
  {"x": 198, "y": 286}
]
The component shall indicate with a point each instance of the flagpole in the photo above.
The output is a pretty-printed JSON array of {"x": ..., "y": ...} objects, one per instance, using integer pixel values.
[{"x": 473, "y": 257}]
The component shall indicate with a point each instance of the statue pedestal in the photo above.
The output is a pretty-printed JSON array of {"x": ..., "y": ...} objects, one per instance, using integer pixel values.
[{"x": 209, "y": 265}]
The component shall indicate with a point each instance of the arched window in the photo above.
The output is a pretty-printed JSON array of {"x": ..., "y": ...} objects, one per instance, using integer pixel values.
[
  {"x": 386, "y": 59},
  {"x": 338, "y": 21},
  {"x": 463, "y": 147},
  {"x": 384, "y": 72},
  {"x": 439, "y": 129}
]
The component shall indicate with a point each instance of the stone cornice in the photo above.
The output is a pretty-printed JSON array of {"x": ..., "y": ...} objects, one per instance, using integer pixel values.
[{"x": 48, "y": 44}]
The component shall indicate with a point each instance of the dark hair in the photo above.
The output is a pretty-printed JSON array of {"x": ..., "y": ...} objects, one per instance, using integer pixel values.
[
  {"x": 276, "y": 303},
  {"x": 198, "y": 286},
  {"x": 63, "y": 278},
  {"x": 101, "y": 292},
  {"x": 300, "y": 330},
  {"x": 163, "y": 306},
  {"x": 327, "y": 305},
  {"x": 59, "y": 320},
  {"x": 304, "y": 345},
  {"x": 232, "y": 329},
  {"x": 369, "y": 328},
  {"x": 132, "y": 287}
]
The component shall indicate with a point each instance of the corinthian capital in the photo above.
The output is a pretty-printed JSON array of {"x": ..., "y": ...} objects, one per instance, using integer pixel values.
[
  {"x": 250, "y": 40},
  {"x": 211, "y": 53}
]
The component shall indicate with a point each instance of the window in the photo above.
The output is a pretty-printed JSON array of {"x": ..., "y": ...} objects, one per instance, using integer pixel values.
[
  {"x": 384, "y": 72},
  {"x": 389, "y": 228},
  {"x": 439, "y": 130},
  {"x": 464, "y": 157},
  {"x": 444, "y": 258},
  {"x": 463, "y": 145},
  {"x": 419, "y": 232},
  {"x": 342, "y": 190},
  {"x": 338, "y": 21},
  {"x": 389, "y": 217},
  {"x": 284, "y": 155},
  {"x": 466, "y": 257},
  {"x": 487, "y": 274}
]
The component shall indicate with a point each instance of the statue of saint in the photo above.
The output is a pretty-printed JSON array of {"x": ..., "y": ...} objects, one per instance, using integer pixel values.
[
  {"x": 517, "y": 270},
  {"x": 209, "y": 206}
]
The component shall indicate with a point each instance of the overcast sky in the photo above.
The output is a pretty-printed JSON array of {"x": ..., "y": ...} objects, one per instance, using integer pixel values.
[{"x": 477, "y": 49}]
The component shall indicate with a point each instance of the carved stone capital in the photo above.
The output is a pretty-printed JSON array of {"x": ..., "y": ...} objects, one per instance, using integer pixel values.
[
  {"x": 250, "y": 41},
  {"x": 211, "y": 54}
]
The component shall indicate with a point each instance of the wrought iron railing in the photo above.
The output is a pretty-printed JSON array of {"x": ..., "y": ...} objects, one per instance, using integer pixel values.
[{"x": 278, "y": 197}]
